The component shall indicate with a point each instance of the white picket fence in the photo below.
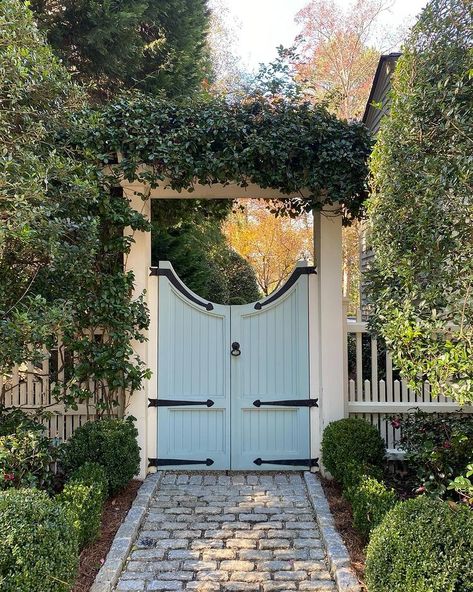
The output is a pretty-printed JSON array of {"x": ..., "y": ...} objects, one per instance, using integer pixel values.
[
  {"x": 375, "y": 391},
  {"x": 31, "y": 387}
]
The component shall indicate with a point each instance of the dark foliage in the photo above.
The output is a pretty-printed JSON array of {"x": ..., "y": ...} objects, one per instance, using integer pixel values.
[{"x": 111, "y": 443}]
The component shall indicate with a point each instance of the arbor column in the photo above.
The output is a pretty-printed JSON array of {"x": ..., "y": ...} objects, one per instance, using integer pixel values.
[
  {"x": 138, "y": 260},
  {"x": 328, "y": 354}
]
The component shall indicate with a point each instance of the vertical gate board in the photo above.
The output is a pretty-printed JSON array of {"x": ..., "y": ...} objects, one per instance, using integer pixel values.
[
  {"x": 273, "y": 365},
  {"x": 193, "y": 366}
]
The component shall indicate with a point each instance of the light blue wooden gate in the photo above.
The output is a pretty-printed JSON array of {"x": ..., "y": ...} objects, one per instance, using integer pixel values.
[{"x": 233, "y": 381}]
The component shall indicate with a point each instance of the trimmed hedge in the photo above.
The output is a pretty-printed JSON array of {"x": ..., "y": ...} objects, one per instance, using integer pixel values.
[
  {"x": 349, "y": 441},
  {"x": 353, "y": 473},
  {"x": 38, "y": 551},
  {"x": 370, "y": 502},
  {"x": 112, "y": 444},
  {"x": 83, "y": 498},
  {"x": 422, "y": 545}
]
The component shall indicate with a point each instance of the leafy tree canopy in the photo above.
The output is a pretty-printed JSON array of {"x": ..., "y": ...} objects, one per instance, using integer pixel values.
[
  {"x": 61, "y": 237},
  {"x": 421, "y": 209},
  {"x": 291, "y": 147},
  {"x": 200, "y": 253},
  {"x": 153, "y": 45}
]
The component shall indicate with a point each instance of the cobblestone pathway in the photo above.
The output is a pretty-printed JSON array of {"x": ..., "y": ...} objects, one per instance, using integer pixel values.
[{"x": 219, "y": 533}]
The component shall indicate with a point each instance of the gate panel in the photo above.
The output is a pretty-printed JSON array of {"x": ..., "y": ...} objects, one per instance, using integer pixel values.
[
  {"x": 193, "y": 378},
  {"x": 273, "y": 371}
]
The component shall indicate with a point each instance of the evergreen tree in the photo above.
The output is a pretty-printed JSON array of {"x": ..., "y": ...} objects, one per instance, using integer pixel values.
[{"x": 153, "y": 45}]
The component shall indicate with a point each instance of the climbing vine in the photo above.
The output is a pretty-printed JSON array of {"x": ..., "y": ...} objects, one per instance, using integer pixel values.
[{"x": 294, "y": 148}]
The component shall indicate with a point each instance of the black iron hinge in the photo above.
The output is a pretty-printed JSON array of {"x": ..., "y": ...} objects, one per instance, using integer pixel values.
[
  {"x": 177, "y": 403},
  {"x": 167, "y": 462},
  {"x": 289, "y": 403},
  {"x": 295, "y": 462}
]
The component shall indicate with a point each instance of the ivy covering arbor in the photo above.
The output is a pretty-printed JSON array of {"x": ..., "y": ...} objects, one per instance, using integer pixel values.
[
  {"x": 294, "y": 148},
  {"x": 421, "y": 209}
]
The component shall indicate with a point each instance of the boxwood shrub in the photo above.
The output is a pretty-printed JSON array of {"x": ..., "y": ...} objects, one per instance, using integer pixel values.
[
  {"x": 353, "y": 473},
  {"x": 83, "y": 498},
  {"x": 422, "y": 545},
  {"x": 109, "y": 442},
  {"x": 370, "y": 502},
  {"x": 349, "y": 441},
  {"x": 38, "y": 551}
]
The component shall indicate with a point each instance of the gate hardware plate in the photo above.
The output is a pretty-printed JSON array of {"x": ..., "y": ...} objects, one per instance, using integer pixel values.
[
  {"x": 296, "y": 274},
  {"x": 305, "y": 462},
  {"x": 176, "y": 403},
  {"x": 289, "y": 403},
  {"x": 166, "y": 462},
  {"x": 157, "y": 271}
]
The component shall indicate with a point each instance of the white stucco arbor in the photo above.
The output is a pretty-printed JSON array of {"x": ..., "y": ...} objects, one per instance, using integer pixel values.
[{"x": 326, "y": 333}]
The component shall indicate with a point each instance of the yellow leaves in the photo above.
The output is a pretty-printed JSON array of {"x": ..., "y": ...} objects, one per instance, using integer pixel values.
[{"x": 272, "y": 245}]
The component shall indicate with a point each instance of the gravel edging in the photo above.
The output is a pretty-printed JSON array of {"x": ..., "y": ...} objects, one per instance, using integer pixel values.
[
  {"x": 126, "y": 535},
  {"x": 337, "y": 554}
]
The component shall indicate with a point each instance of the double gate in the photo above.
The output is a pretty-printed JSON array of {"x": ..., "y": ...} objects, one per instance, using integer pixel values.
[{"x": 233, "y": 381}]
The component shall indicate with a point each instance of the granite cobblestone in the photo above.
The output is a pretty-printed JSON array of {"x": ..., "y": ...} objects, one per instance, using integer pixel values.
[{"x": 222, "y": 533}]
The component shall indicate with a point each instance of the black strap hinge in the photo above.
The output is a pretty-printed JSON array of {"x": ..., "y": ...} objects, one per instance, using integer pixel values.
[
  {"x": 167, "y": 462},
  {"x": 289, "y": 403},
  {"x": 295, "y": 462},
  {"x": 177, "y": 403}
]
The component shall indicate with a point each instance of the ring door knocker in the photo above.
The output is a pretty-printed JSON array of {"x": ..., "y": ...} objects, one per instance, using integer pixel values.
[{"x": 236, "y": 351}]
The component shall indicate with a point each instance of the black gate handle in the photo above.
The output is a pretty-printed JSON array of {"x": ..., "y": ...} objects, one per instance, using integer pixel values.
[{"x": 236, "y": 351}]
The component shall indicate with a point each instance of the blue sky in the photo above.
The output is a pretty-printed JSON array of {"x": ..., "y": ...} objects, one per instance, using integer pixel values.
[{"x": 265, "y": 24}]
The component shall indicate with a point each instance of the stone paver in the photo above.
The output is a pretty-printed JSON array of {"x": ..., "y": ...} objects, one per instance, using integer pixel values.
[{"x": 220, "y": 533}]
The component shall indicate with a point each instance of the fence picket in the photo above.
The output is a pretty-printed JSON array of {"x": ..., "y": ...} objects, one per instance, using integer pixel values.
[{"x": 376, "y": 398}]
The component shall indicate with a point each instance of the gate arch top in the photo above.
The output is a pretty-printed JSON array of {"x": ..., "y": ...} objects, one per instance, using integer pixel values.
[{"x": 166, "y": 269}]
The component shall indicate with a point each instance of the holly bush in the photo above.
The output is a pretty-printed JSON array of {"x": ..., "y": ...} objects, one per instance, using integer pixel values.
[
  {"x": 438, "y": 447},
  {"x": 421, "y": 208},
  {"x": 26, "y": 453}
]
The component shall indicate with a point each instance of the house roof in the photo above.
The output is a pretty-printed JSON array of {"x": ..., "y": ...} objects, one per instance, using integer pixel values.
[{"x": 378, "y": 101}]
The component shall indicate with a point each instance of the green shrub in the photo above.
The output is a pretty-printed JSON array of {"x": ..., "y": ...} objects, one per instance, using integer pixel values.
[
  {"x": 39, "y": 550},
  {"x": 349, "y": 441},
  {"x": 422, "y": 545},
  {"x": 370, "y": 502},
  {"x": 353, "y": 473},
  {"x": 438, "y": 447},
  {"x": 26, "y": 453},
  {"x": 112, "y": 444},
  {"x": 83, "y": 498}
]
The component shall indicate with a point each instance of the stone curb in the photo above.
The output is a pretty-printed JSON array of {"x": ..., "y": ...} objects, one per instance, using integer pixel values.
[
  {"x": 337, "y": 554},
  {"x": 125, "y": 537}
]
